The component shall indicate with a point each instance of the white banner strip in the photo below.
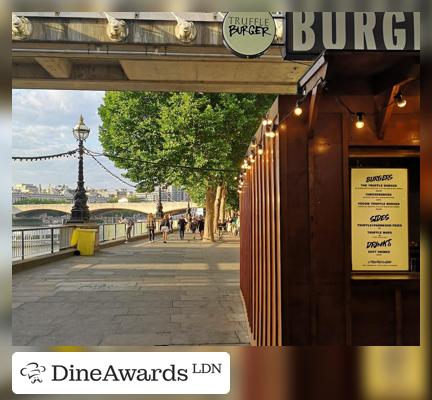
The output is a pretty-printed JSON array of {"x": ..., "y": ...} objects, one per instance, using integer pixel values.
[{"x": 121, "y": 373}]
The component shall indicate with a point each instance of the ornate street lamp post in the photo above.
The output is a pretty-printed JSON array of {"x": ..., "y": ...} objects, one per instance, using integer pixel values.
[
  {"x": 80, "y": 210},
  {"x": 159, "y": 207},
  {"x": 189, "y": 211}
]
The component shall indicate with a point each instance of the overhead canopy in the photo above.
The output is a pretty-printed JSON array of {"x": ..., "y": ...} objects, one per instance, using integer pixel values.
[{"x": 360, "y": 73}]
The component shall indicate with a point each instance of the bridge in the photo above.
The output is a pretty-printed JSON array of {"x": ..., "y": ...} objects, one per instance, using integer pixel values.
[
  {"x": 139, "y": 207},
  {"x": 148, "y": 51}
]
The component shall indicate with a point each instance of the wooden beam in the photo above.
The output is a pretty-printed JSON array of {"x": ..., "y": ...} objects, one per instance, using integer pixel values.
[
  {"x": 56, "y": 67},
  {"x": 399, "y": 74},
  {"x": 382, "y": 118},
  {"x": 313, "y": 109},
  {"x": 316, "y": 73}
]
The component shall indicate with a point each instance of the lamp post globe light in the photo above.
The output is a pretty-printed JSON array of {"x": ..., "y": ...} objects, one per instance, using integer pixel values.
[{"x": 80, "y": 211}]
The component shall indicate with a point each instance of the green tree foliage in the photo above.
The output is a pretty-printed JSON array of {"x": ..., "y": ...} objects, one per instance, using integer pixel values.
[
  {"x": 190, "y": 140},
  {"x": 133, "y": 199},
  {"x": 42, "y": 201}
]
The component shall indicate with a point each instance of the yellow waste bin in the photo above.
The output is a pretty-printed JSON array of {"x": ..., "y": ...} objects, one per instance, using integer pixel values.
[{"x": 84, "y": 239}]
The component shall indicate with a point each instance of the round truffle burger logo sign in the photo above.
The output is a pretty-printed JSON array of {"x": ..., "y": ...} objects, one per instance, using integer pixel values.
[{"x": 248, "y": 34}]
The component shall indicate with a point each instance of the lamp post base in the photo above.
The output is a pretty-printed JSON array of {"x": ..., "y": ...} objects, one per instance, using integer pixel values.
[{"x": 79, "y": 216}]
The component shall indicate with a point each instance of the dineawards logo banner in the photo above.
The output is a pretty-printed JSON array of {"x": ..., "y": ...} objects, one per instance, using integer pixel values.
[{"x": 121, "y": 373}]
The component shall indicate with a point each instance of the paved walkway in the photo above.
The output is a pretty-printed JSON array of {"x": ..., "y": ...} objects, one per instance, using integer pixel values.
[{"x": 178, "y": 293}]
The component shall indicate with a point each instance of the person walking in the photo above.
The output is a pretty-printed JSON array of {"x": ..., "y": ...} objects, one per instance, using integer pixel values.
[
  {"x": 201, "y": 226},
  {"x": 221, "y": 228},
  {"x": 238, "y": 225},
  {"x": 189, "y": 219},
  {"x": 182, "y": 226},
  {"x": 129, "y": 222},
  {"x": 165, "y": 228},
  {"x": 228, "y": 225},
  {"x": 193, "y": 226},
  {"x": 170, "y": 218},
  {"x": 151, "y": 226},
  {"x": 234, "y": 226}
]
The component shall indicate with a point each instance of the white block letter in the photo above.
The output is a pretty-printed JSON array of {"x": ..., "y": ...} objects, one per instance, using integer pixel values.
[
  {"x": 363, "y": 31},
  {"x": 416, "y": 21},
  {"x": 389, "y": 33},
  {"x": 300, "y": 27},
  {"x": 340, "y": 40}
]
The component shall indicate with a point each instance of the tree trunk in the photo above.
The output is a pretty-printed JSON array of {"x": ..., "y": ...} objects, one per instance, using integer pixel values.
[
  {"x": 222, "y": 212},
  {"x": 217, "y": 208},
  {"x": 209, "y": 217}
]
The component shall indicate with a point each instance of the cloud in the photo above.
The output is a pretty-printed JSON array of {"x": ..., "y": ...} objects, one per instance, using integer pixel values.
[{"x": 42, "y": 122}]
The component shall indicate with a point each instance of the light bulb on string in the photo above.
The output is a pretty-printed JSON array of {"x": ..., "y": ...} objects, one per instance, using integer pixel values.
[
  {"x": 298, "y": 110},
  {"x": 399, "y": 99},
  {"x": 260, "y": 150},
  {"x": 253, "y": 144},
  {"x": 271, "y": 133},
  {"x": 359, "y": 123}
]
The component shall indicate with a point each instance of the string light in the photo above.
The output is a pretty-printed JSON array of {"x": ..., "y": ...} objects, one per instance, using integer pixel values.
[
  {"x": 252, "y": 156},
  {"x": 399, "y": 99},
  {"x": 260, "y": 150},
  {"x": 266, "y": 121},
  {"x": 298, "y": 110},
  {"x": 271, "y": 133},
  {"x": 42, "y": 158},
  {"x": 359, "y": 123},
  {"x": 270, "y": 128}
]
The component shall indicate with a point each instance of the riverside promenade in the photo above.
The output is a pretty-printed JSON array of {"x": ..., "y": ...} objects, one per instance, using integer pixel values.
[{"x": 179, "y": 293}]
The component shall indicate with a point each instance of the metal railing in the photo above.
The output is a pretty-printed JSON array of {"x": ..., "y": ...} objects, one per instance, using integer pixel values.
[{"x": 32, "y": 242}]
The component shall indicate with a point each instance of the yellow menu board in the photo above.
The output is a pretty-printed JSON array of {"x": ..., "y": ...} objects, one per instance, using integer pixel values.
[{"x": 379, "y": 219}]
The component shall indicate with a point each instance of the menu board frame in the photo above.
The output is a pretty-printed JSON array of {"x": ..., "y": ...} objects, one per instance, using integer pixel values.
[{"x": 403, "y": 264}]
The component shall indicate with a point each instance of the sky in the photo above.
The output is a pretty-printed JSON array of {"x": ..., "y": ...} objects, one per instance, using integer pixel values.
[{"x": 42, "y": 123}]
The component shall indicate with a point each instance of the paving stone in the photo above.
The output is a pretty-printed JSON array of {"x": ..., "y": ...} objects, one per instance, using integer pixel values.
[
  {"x": 33, "y": 330},
  {"x": 21, "y": 340},
  {"x": 145, "y": 339},
  {"x": 237, "y": 317},
  {"x": 182, "y": 292}
]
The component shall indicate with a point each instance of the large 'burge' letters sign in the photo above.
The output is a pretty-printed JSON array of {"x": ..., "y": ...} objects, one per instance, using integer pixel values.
[{"x": 309, "y": 33}]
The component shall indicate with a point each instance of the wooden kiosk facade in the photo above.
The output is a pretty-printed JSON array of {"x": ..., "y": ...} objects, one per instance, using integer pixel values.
[{"x": 297, "y": 280}]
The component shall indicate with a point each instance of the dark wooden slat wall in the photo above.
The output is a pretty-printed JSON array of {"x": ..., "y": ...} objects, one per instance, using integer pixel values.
[
  {"x": 295, "y": 237},
  {"x": 260, "y": 225}
]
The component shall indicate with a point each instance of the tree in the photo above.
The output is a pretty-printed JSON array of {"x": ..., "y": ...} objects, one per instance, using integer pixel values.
[
  {"x": 133, "y": 199},
  {"x": 41, "y": 201},
  {"x": 190, "y": 140}
]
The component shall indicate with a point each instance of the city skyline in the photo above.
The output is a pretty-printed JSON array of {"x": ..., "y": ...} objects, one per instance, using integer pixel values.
[
  {"x": 22, "y": 191},
  {"x": 42, "y": 122}
]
